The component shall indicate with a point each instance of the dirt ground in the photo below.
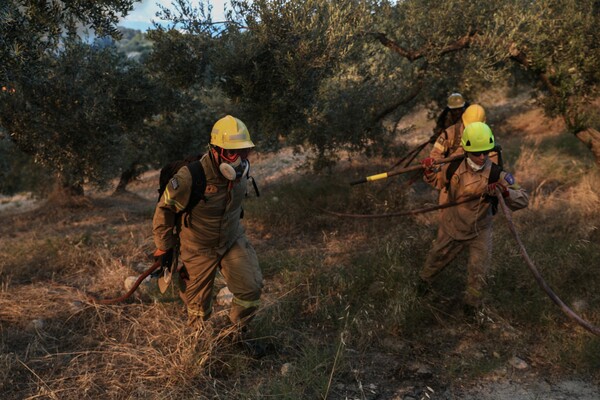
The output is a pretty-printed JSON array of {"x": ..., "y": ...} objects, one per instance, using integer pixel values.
[{"x": 418, "y": 373}]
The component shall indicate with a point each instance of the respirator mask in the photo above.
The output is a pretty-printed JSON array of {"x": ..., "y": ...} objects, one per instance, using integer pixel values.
[
  {"x": 233, "y": 164},
  {"x": 475, "y": 167}
]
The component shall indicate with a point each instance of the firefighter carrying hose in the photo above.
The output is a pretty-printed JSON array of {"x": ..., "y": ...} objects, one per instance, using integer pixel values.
[
  {"x": 448, "y": 142},
  {"x": 469, "y": 225},
  {"x": 211, "y": 236}
]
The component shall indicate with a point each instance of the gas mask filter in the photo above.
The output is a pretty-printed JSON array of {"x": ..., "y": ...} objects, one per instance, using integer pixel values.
[
  {"x": 233, "y": 164},
  {"x": 234, "y": 170}
]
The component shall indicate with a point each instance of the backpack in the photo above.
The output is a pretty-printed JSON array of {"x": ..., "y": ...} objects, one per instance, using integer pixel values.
[
  {"x": 198, "y": 179},
  {"x": 493, "y": 178}
]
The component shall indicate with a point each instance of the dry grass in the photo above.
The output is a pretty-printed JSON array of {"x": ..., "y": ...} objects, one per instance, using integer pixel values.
[{"x": 340, "y": 314}]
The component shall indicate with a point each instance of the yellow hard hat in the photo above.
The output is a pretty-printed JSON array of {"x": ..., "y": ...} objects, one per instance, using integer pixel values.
[
  {"x": 476, "y": 137},
  {"x": 473, "y": 113},
  {"x": 230, "y": 133},
  {"x": 455, "y": 100}
]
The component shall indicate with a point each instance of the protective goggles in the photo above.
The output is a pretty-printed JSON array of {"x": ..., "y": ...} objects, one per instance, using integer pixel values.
[
  {"x": 230, "y": 155},
  {"x": 478, "y": 153}
]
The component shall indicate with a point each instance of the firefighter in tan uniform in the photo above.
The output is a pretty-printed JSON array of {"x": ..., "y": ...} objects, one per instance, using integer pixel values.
[
  {"x": 469, "y": 225},
  {"x": 448, "y": 142},
  {"x": 211, "y": 235},
  {"x": 451, "y": 114}
]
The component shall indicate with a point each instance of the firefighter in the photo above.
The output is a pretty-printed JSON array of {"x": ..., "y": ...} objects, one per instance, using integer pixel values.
[
  {"x": 211, "y": 236},
  {"x": 469, "y": 225},
  {"x": 448, "y": 142},
  {"x": 451, "y": 114}
]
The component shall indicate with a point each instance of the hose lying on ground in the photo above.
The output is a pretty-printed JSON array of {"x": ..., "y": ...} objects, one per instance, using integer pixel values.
[
  {"x": 570, "y": 313},
  {"x": 137, "y": 283},
  {"x": 507, "y": 214},
  {"x": 404, "y": 213}
]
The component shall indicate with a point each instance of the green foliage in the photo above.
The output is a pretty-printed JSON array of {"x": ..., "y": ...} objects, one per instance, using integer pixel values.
[
  {"x": 31, "y": 29},
  {"x": 560, "y": 41},
  {"x": 320, "y": 74},
  {"x": 44, "y": 96},
  {"x": 82, "y": 115},
  {"x": 179, "y": 59},
  {"x": 332, "y": 75},
  {"x": 271, "y": 59},
  {"x": 18, "y": 172}
]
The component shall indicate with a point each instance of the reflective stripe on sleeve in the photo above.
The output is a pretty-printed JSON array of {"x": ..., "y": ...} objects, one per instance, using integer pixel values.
[
  {"x": 439, "y": 146},
  {"x": 172, "y": 202}
]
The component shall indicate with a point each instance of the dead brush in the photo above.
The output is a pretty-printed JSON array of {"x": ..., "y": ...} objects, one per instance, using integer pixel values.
[
  {"x": 339, "y": 293},
  {"x": 75, "y": 347}
]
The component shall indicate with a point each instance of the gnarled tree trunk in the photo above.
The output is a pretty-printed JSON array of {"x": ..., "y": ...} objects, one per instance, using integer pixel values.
[{"x": 127, "y": 176}]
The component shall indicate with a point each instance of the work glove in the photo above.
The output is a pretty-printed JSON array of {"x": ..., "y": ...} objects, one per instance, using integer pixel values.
[
  {"x": 165, "y": 257},
  {"x": 491, "y": 189},
  {"x": 428, "y": 165}
]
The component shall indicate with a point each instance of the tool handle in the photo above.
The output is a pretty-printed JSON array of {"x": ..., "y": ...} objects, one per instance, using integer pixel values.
[{"x": 404, "y": 170}]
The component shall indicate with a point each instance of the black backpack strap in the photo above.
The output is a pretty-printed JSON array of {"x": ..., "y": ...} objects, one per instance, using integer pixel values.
[
  {"x": 251, "y": 178},
  {"x": 452, "y": 167},
  {"x": 198, "y": 188},
  {"x": 198, "y": 184},
  {"x": 498, "y": 150},
  {"x": 495, "y": 173},
  {"x": 493, "y": 178},
  {"x": 255, "y": 186}
]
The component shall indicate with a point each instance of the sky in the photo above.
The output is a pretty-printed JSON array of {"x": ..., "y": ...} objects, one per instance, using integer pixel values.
[{"x": 145, "y": 11}]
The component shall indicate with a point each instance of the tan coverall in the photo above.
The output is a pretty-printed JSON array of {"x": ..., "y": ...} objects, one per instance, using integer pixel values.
[
  {"x": 468, "y": 225},
  {"x": 448, "y": 143},
  {"x": 213, "y": 237}
]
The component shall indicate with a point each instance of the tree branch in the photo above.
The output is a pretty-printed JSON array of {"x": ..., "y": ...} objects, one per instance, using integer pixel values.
[
  {"x": 520, "y": 57},
  {"x": 405, "y": 100},
  {"x": 413, "y": 55}
]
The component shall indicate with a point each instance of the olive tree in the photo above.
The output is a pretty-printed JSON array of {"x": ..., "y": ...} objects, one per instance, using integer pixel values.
[
  {"x": 33, "y": 37},
  {"x": 287, "y": 69},
  {"x": 181, "y": 61},
  {"x": 315, "y": 66},
  {"x": 331, "y": 74},
  {"x": 31, "y": 29},
  {"x": 555, "y": 42},
  {"x": 81, "y": 116}
]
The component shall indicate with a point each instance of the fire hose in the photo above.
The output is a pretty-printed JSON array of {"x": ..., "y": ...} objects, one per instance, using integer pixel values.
[
  {"x": 133, "y": 288},
  {"x": 405, "y": 213},
  {"x": 140, "y": 279},
  {"x": 507, "y": 214},
  {"x": 411, "y": 155},
  {"x": 538, "y": 277}
]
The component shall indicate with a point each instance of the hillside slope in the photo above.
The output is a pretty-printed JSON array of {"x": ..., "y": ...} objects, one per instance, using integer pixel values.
[{"x": 340, "y": 318}]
